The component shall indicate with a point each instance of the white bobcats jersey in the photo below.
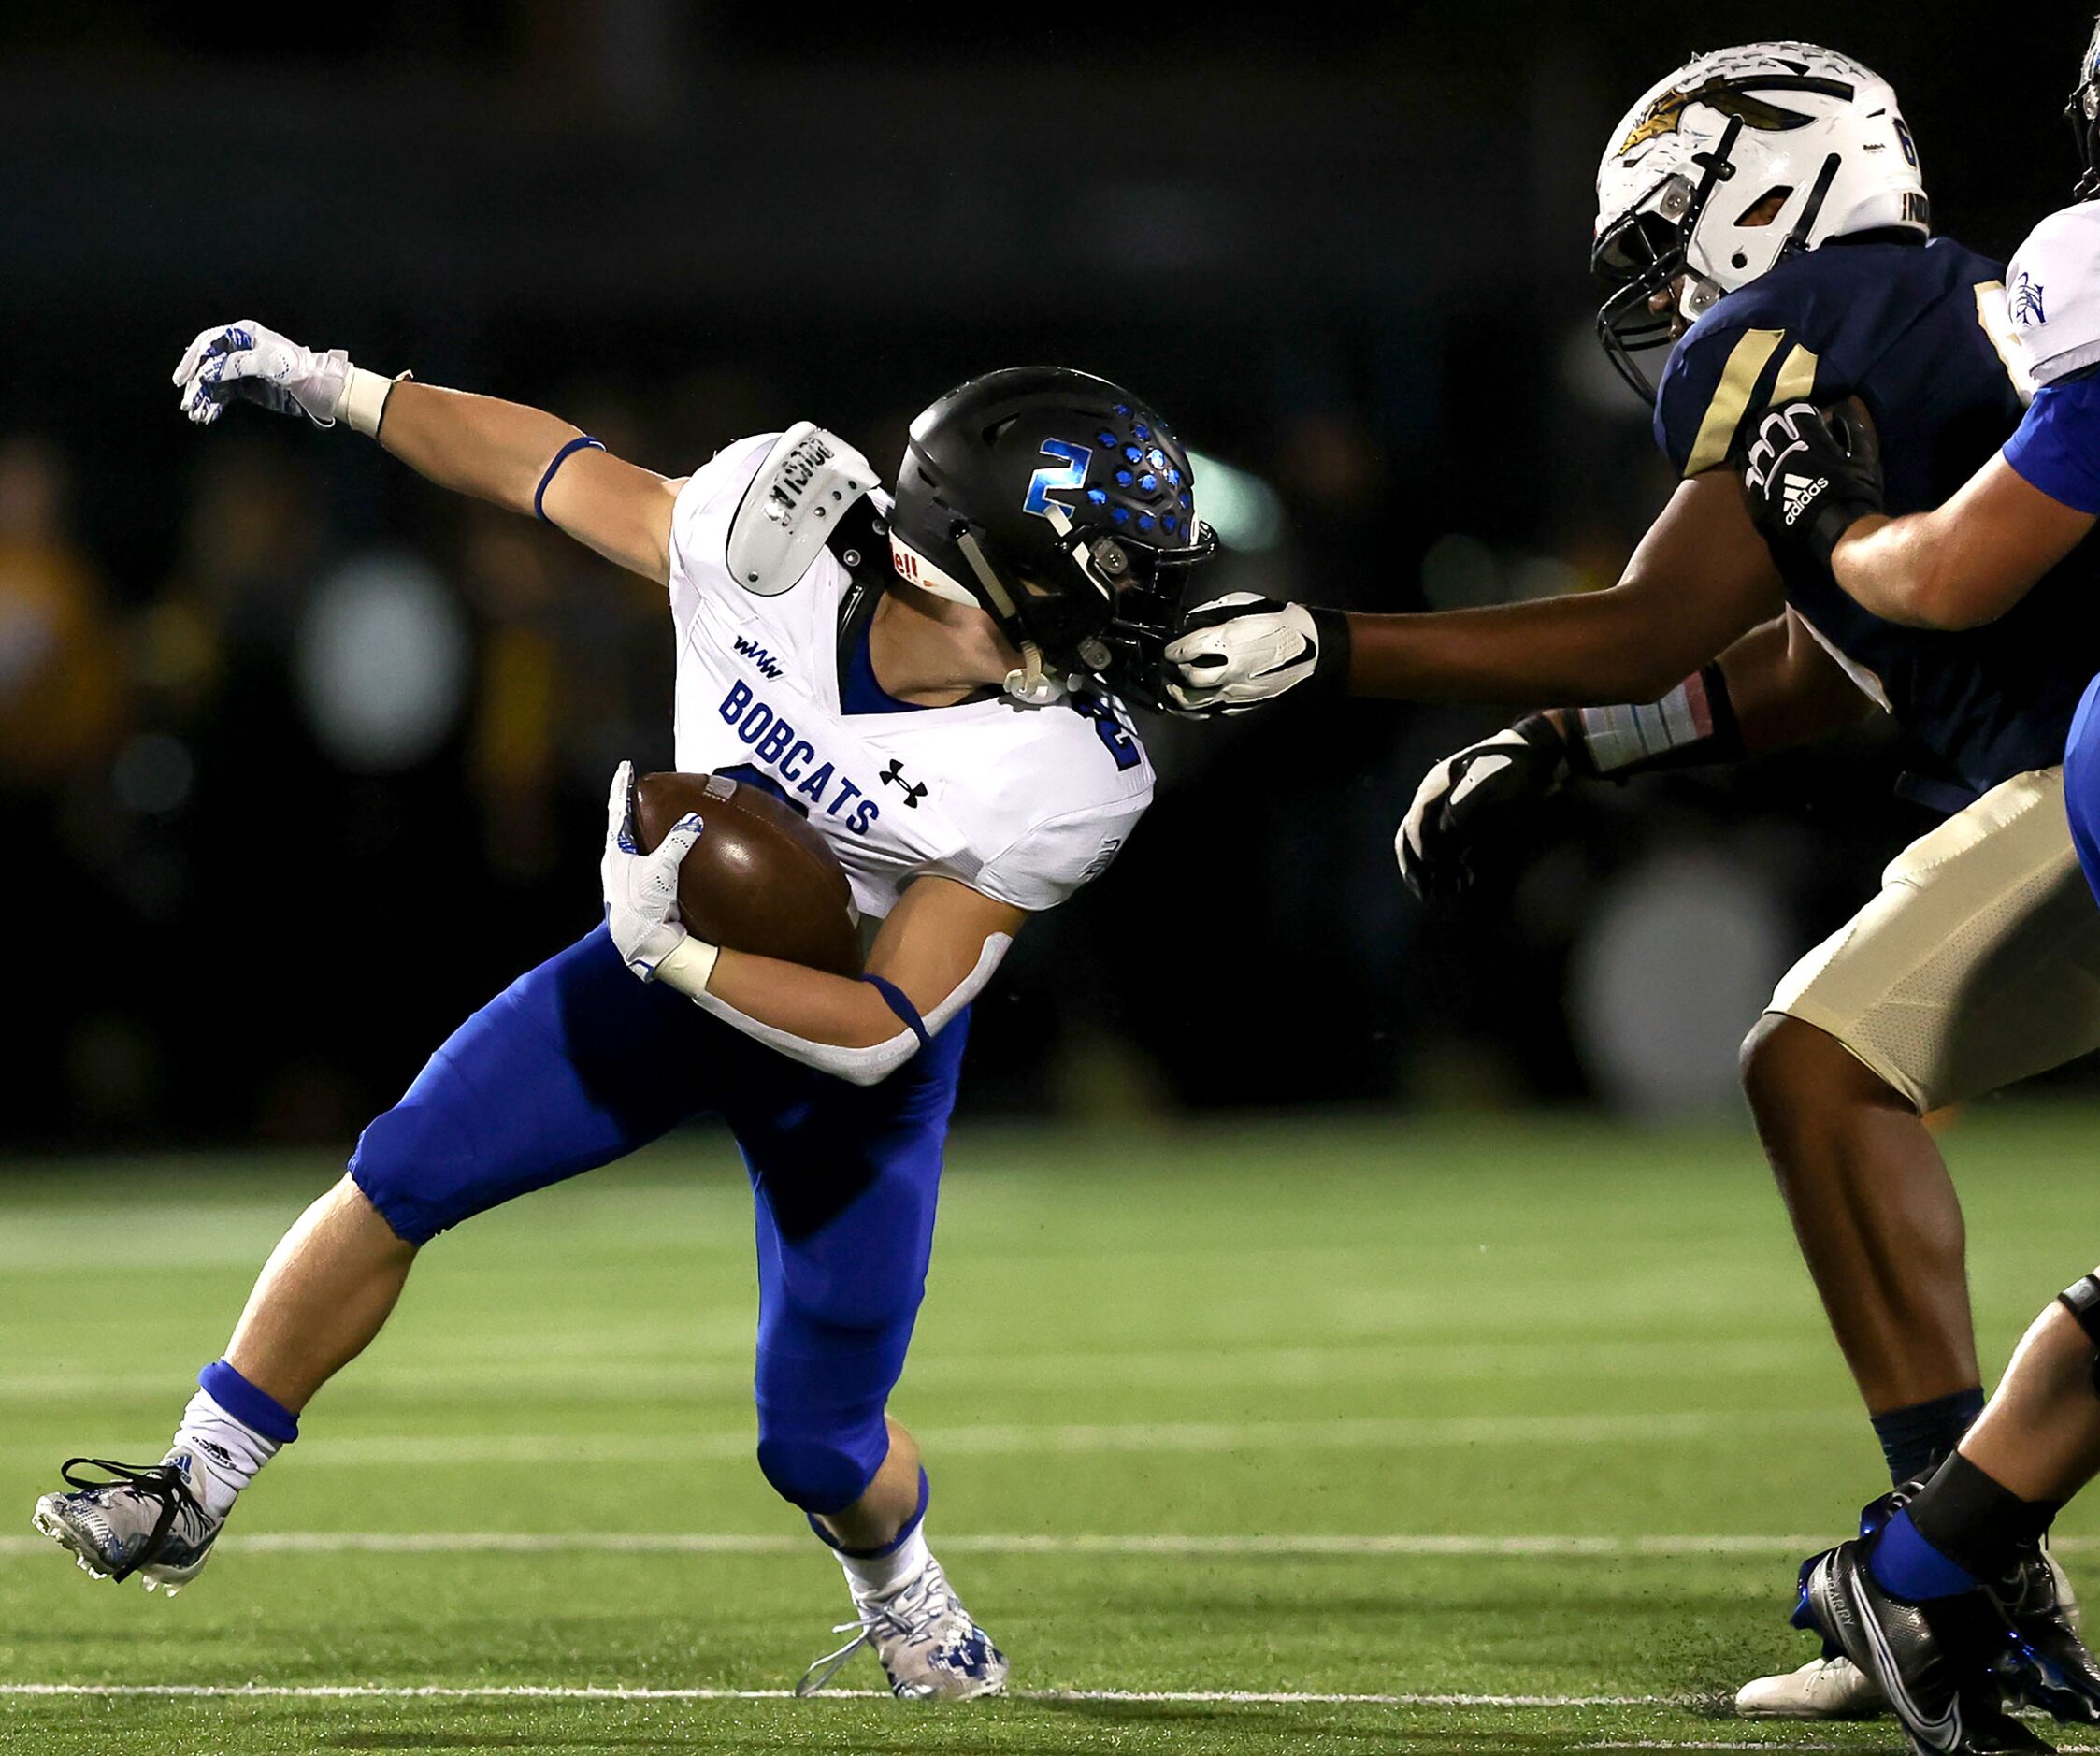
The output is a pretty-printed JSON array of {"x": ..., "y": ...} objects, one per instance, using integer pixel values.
[
  {"x": 1023, "y": 803},
  {"x": 2052, "y": 293}
]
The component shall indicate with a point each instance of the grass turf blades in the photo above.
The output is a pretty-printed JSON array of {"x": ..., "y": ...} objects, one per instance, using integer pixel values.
[{"x": 1163, "y": 1387}]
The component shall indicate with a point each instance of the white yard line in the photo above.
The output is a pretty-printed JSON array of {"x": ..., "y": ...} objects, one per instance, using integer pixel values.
[
  {"x": 531, "y": 1691},
  {"x": 1197, "y": 1547}
]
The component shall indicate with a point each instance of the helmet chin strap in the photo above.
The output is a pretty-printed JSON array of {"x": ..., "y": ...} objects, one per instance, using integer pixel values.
[{"x": 1030, "y": 683}]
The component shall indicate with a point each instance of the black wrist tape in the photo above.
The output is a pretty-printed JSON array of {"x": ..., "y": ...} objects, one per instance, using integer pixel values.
[{"x": 1330, "y": 669}]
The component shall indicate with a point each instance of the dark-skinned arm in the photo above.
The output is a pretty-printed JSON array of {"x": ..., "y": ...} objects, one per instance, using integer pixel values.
[{"x": 1701, "y": 579}]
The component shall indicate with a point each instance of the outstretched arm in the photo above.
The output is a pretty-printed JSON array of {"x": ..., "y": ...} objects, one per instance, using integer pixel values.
[
  {"x": 1701, "y": 579},
  {"x": 492, "y": 449}
]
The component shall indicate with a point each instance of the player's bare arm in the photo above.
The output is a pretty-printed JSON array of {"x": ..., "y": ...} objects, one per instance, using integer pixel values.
[
  {"x": 933, "y": 954},
  {"x": 1964, "y": 564},
  {"x": 1700, "y": 579},
  {"x": 520, "y": 458},
  {"x": 500, "y": 451},
  {"x": 930, "y": 944},
  {"x": 1697, "y": 583},
  {"x": 1786, "y": 688}
]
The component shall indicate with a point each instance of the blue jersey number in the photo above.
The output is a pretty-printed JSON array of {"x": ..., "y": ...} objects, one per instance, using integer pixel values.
[
  {"x": 1122, "y": 743},
  {"x": 1045, "y": 481}
]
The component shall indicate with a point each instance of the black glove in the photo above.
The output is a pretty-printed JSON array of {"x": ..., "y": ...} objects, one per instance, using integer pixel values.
[
  {"x": 1475, "y": 798},
  {"x": 1811, "y": 477}
]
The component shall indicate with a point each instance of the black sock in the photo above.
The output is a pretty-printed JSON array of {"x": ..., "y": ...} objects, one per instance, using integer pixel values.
[
  {"x": 1977, "y": 1523},
  {"x": 1917, "y": 1439}
]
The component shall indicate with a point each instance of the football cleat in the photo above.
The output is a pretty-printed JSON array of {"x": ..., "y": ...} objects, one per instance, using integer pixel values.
[
  {"x": 146, "y": 1521},
  {"x": 1823, "y": 1688},
  {"x": 929, "y": 1647},
  {"x": 1829, "y": 1687},
  {"x": 1933, "y": 1661},
  {"x": 2044, "y": 1662}
]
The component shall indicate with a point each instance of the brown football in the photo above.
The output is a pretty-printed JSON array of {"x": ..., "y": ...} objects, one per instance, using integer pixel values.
[{"x": 759, "y": 879}]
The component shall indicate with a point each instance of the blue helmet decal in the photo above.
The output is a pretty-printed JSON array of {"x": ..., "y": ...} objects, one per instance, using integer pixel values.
[{"x": 1049, "y": 480}]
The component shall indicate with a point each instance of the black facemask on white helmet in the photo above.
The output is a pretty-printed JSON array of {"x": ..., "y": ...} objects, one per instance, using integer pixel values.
[
  {"x": 1739, "y": 159},
  {"x": 2083, "y": 112}
]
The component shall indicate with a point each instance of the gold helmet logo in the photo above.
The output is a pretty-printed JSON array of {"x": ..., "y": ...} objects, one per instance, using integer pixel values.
[{"x": 1732, "y": 98}]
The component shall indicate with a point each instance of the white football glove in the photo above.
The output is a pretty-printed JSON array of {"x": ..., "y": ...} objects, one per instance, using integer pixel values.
[
  {"x": 246, "y": 360},
  {"x": 1239, "y": 651},
  {"x": 642, "y": 889},
  {"x": 1471, "y": 796}
]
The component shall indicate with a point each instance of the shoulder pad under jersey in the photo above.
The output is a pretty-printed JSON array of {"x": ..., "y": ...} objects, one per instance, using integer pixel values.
[
  {"x": 803, "y": 487},
  {"x": 2052, "y": 293}
]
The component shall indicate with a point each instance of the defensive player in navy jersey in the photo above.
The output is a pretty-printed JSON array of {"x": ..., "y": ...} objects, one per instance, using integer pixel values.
[
  {"x": 1762, "y": 215},
  {"x": 1907, "y": 1600},
  {"x": 928, "y": 678}
]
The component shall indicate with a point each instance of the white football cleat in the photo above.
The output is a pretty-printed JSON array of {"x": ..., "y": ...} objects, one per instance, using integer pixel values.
[
  {"x": 1823, "y": 1688},
  {"x": 929, "y": 1647},
  {"x": 145, "y": 1521}
]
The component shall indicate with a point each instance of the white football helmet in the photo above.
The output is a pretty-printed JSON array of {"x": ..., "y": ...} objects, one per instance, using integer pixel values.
[
  {"x": 2084, "y": 113},
  {"x": 1705, "y": 147}
]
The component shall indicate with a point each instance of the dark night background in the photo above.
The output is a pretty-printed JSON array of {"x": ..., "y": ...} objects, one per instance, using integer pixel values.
[{"x": 300, "y": 759}]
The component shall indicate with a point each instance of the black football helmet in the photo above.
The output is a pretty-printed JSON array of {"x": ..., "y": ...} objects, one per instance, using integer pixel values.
[
  {"x": 2084, "y": 114},
  {"x": 1063, "y": 507}
]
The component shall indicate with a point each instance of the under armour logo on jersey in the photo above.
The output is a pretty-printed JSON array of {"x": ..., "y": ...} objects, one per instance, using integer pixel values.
[
  {"x": 2025, "y": 300},
  {"x": 1800, "y": 495},
  {"x": 894, "y": 776},
  {"x": 762, "y": 661}
]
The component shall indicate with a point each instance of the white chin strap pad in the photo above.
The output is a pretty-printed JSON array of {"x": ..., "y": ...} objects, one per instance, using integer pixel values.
[
  {"x": 914, "y": 568},
  {"x": 808, "y": 483}
]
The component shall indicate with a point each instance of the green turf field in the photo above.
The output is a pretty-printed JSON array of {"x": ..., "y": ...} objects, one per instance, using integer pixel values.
[{"x": 1535, "y": 1411}]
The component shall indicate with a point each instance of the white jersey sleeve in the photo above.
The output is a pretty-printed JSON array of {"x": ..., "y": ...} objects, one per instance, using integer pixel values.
[
  {"x": 2052, "y": 293},
  {"x": 1053, "y": 858},
  {"x": 1079, "y": 817}
]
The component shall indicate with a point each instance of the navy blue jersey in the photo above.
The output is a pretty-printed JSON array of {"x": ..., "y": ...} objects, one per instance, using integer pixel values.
[{"x": 1903, "y": 327}]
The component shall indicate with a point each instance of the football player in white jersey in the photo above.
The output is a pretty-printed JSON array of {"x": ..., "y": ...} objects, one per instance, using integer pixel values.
[{"x": 930, "y": 679}]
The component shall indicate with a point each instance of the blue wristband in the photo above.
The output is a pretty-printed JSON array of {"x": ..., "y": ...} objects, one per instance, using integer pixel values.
[
  {"x": 581, "y": 442},
  {"x": 900, "y": 1004}
]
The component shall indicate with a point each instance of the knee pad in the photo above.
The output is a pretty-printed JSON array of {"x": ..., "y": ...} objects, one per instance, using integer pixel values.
[{"x": 822, "y": 1474}]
